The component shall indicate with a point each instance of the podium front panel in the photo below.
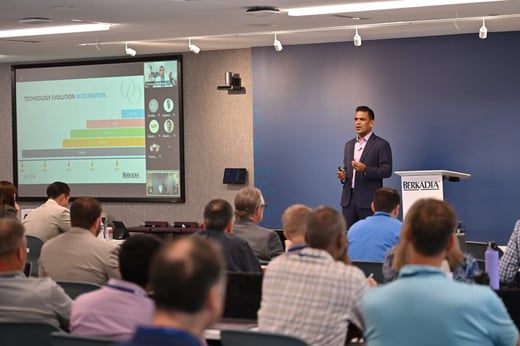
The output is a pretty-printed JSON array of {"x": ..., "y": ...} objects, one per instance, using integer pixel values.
[{"x": 420, "y": 186}]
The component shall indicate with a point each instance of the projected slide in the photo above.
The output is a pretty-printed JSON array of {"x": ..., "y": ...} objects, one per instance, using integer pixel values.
[{"x": 107, "y": 129}]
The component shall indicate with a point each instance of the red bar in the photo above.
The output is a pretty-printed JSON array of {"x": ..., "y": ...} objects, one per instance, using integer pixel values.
[{"x": 111, "y": 123}]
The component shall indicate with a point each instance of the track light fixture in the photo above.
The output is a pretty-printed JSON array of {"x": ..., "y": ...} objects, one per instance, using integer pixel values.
[
  {"x": 129, "y": 51},
  {"x": 193, "y": 47},
  {"x": 482, "y": 33},
  {"x": 277, "y": 44},
  {"x": 357, "y": 39}
]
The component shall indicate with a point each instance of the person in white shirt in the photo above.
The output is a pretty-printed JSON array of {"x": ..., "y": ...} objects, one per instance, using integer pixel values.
[{"x": 52, "y": 217}]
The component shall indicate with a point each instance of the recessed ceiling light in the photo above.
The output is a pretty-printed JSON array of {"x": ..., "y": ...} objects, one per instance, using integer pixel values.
[
  {"x": 53, "y": 30},
  {"x": 376, "y": 6}
]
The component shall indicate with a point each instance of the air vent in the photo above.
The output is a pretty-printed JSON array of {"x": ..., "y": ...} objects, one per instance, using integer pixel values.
[
  {"x": 262, "y": 11},
  {"x": 35, "y": 20}
]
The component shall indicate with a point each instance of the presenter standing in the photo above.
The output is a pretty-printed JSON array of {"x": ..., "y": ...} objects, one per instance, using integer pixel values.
[{"x": 367, "y": 160}]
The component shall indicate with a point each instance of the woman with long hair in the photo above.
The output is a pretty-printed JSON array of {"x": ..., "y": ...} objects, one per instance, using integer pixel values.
[{"x": 8, "y": 206}]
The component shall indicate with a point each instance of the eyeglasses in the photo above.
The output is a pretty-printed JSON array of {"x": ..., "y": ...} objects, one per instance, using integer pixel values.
[{"x": 264, "y": 205}]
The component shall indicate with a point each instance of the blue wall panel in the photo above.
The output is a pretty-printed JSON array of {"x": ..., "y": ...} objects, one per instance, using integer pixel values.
[{"x": 447, "y": 102}]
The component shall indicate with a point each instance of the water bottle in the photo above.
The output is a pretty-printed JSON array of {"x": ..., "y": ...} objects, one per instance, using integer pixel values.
[
  {"x": 109, "y": 233},
  {"x": 101, "y": 234},
  {"x": 491, "y": 266}
]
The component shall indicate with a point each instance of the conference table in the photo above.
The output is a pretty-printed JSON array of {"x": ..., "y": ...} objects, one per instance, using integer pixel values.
[{"x": 164, "y": 232}]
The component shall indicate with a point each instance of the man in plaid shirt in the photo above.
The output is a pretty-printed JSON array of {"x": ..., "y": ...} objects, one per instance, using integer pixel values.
[
  {"x": 510, "y": 262},
  {"x": 314, "y": 294}
]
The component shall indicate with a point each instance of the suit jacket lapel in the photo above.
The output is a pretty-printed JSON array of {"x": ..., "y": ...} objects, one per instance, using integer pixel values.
[{"x": 368, "y": 146}]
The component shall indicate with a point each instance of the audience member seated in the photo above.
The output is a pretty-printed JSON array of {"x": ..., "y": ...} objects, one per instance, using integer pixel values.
[
  {"x": 369, "y": 239},
  {"x": 115, "y": 310},
  {"x": 78, "y": 255},
  {"x": 188, "y": 281},
  {"x": 53, "y": 217},
  {"x": 424, "y": 307},
  {"x": 218, "y": 224},
  {"x": 294, "y": 222},
  {"x": 8, "y": 206},
  {"x": 510, "y": 261},
  {"x": 24, "y": 299},
  {"x": 249, "y": 211},
  {"x": 314, "y": 294},
  {"x": 463, "y": 266}
]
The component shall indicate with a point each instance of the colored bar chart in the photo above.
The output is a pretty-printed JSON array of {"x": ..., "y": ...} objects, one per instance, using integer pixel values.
[{"x": 126, "y": 135}]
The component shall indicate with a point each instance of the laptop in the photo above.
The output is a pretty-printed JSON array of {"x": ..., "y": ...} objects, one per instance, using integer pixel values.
[{"x": 120, "y": 231}]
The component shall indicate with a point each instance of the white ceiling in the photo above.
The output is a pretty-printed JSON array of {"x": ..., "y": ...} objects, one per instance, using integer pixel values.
[{"x": 163, "y": 26}]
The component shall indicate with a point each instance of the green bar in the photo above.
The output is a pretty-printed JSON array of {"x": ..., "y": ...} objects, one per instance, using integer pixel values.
[{"x": 108, "y": 133}]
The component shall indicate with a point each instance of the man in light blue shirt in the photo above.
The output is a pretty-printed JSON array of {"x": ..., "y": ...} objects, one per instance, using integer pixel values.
[
  {"x": 423, "y": 306},
  {"x": 369, "y": 239}
]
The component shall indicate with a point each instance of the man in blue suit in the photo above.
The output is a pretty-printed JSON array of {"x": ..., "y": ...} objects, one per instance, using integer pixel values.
[{"x": 367, "y": 160}]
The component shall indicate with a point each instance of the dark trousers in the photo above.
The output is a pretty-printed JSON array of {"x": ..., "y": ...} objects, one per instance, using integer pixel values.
[{"x": 353, "y": 212}]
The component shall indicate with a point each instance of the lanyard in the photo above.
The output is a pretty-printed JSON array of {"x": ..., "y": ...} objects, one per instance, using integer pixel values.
[{"x": 126, "y": 289}]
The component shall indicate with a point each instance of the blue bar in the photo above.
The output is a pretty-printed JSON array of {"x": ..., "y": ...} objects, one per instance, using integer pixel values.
[{"x": 132, "y": 113}]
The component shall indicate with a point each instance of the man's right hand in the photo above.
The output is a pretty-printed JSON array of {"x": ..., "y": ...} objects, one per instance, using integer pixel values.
[{"x": 341, "y": 174}]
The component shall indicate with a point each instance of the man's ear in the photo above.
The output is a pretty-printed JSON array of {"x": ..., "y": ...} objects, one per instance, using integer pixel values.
[
  {"x": 396, "y": 210},
  {"x": 372, "y": 207},
  {"x": 229, "y": 228},
  {"x": 451, "y": 242},
  {"x": 215, "y": 301},
  {"x": 21, "y": 253}
]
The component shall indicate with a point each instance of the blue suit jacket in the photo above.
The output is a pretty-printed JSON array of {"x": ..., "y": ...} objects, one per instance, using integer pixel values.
[{"x": 377, "y": 156}]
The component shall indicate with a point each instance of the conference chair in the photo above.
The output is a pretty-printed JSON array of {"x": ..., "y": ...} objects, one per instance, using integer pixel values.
[
  {"x": 25, "y": 333},
  {"x": 34, "y": 248},
  {"x": 281, "y": 235},
  {"x": 481, "y": 265},
  {"x": 252, "y": 338},
  {"x": 478, "y": 249},
  {"x": 66, "y": 339},
  {"x": 369, "y": 267},
  {"x": 76, "y": 288}
]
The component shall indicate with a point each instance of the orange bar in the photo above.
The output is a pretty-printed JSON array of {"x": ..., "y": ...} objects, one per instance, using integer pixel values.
[
  {"x": 103, "y": 142},
  {"x": 111, "y": 123}
]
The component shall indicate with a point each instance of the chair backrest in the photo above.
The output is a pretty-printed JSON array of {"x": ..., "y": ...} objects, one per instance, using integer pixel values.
[
  {"x": 243, "y": 295},
  {"x": 477, "y": 249},
  {"x": 25, "y": 333},
  {"x": 65, "y": 339},
  {"x": 251, "y": 338},
  {"x": 481, "y": 265},
  {"x": 369, "y": 267},
  {"x": 34, "y": 244},
  {"x": 75, "y": 288},
  {"x": 281, "y": 235}
]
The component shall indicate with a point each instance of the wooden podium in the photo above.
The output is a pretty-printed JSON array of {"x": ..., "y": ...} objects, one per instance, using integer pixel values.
[{"x": 425, "y": 184}]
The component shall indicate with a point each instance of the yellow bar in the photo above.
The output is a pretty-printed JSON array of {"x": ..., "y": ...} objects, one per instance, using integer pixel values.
[{"x": 103, "y": 142}]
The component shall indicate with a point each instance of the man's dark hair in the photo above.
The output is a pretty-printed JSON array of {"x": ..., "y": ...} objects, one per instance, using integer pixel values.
[
  {"x": 367, "y": 109},
  {"x": 386, "y": 199},
  {"x": 431, "y": 224},
  {"x": 58, "y": 188},
  {"x": 324, "y": 226},
  {"x": 84, "y": 211},
  {"x": 182, "y": 278},
  {"x": 135, "y": 256},
  {"x": 217, "y": 214}
]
